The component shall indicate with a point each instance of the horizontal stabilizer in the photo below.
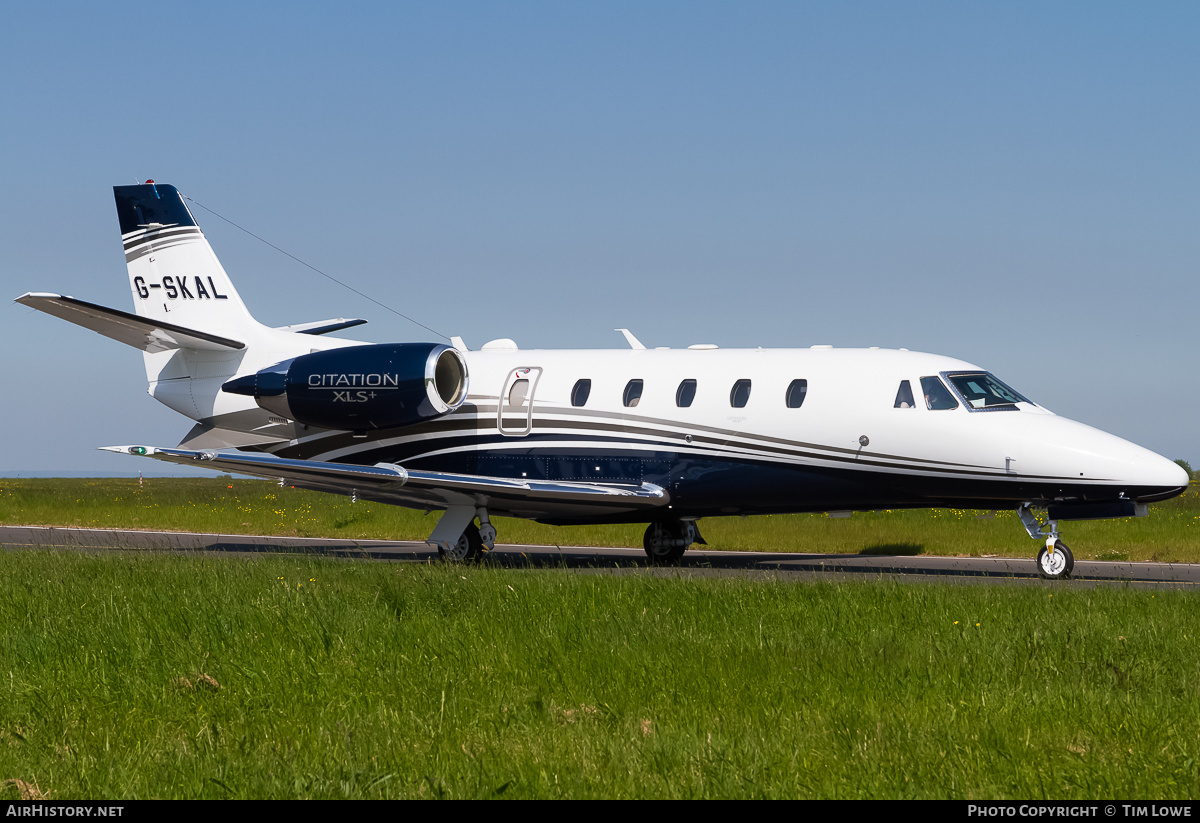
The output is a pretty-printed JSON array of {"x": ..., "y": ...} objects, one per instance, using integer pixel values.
[
  {"x": 390, "y": 483},
  {"x": 140, "y": 332},
  {"x": 322, "y": 326}
]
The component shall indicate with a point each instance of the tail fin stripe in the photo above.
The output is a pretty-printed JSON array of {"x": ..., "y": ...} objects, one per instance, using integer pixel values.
[
  {"x": 150, "y": 237},
  {"x": 150, "y": 248}
]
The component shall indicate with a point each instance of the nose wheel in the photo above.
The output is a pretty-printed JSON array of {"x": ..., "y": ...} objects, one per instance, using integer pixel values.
[{"x": 1055, "y": 561}]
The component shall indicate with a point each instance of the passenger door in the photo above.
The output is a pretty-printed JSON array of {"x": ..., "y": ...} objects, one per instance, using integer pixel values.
[{"x": 514, "y": 412}]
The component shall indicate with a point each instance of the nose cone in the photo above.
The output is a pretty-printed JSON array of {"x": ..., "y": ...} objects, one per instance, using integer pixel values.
[
  {"x": 1079, "y": 454},
  {"x": 1169, "y": 476},
  {"x": 1148, "y": 477}
]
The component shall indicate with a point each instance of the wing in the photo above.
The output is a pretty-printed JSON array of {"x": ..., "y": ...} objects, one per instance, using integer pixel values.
[{"x": 390, "y": 483}]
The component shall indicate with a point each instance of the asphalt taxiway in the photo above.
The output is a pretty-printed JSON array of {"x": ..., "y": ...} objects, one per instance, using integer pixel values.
[{"x": 699, "y": 562}]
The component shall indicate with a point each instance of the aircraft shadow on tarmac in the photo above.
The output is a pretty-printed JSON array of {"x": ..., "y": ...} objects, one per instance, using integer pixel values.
[
  {"x": 896, "y": 561},
  {"x": 871, "y": 562}
]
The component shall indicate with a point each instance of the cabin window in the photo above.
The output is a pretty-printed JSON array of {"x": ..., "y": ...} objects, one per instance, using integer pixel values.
[
  {"x": 517, "y": 394},
  {"x": 740, "y": 395},
  {"x": 633, "y": 393},
  {"x": 904, "y": 397},
  {"x": 685, "y": 394},
  {"x": 796, "y": 392},
  {"x": 579, "y": 394},
  {"x": 937, "y": 396},
  {"x": 982, "y": 391}
]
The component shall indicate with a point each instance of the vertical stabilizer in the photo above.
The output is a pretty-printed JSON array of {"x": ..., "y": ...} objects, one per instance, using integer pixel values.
[{"x": 173, "y": 273}]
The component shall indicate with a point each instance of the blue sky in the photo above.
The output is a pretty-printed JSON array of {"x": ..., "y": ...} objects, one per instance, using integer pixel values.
[{"x": 1015, "y": 184}]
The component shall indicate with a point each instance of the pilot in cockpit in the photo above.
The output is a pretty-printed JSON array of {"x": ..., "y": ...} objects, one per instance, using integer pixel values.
[{"x": 937, "y": 396}]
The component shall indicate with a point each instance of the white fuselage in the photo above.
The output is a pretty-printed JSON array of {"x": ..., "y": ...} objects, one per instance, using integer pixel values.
[{"x": 847, "y": 436}]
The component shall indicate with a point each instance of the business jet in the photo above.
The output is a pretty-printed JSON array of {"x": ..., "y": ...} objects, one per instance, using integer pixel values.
[{"x": 635, "y": 435}]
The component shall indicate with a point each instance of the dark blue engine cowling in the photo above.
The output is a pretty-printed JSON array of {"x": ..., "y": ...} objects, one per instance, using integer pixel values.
[{"x": 383, "y": 386}]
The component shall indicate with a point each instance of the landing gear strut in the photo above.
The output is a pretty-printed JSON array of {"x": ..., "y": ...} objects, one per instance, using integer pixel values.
[
  {"x": 1054, "y": 561},
  {"x": 458, "y": 539},
  {"x": 665, "y": 542}
]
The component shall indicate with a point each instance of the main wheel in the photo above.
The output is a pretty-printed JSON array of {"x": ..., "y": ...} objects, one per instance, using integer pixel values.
[
  {"x": 666, "y": 542},
  {"x": 469, "y": 547},
  {"x": 1058, "y": 566}
]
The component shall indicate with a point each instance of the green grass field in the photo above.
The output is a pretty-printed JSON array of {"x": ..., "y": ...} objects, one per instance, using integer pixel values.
[
  {"x": 126, "y": 675},
  {"x": 168, "y": 676},
  {"x": 236, "y": 506}
]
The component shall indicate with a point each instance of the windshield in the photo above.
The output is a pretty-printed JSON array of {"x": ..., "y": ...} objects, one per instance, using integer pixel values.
[{"x": 982, "y": 391}]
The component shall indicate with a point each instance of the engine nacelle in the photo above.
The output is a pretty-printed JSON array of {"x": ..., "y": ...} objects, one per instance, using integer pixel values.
[{"x": 382, "y": 386}]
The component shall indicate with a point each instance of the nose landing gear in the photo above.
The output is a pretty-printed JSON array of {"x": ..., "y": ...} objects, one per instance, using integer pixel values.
[{"x": 1054, "y": 561}]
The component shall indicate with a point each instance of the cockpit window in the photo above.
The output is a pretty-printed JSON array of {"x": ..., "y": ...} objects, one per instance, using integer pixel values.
[
  {"x": 904, "y": 398},
  {"x": 937, "y": 396},
  {"x": 982, "y": 391}
]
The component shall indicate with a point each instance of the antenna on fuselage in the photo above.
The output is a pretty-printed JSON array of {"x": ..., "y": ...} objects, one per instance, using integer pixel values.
[{"x": 633, "y": 342}]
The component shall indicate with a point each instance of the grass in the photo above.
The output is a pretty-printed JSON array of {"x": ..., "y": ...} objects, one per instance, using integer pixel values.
[
  {"x": 236, "y": 506},
  {"x": 127, "y": 675},
  {"x": 131, "y": 676}
]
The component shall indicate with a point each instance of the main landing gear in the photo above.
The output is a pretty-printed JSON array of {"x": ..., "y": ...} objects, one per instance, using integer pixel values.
[
  {"x": 468, "y": 548},
  {"x": 1054, "y": 561},
  {"x": 666, "y": 541},
  {"x": 458, "y": 539}
]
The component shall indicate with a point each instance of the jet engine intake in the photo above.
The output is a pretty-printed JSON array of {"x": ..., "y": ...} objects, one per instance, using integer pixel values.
[{"x": 381, "y": 386}]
